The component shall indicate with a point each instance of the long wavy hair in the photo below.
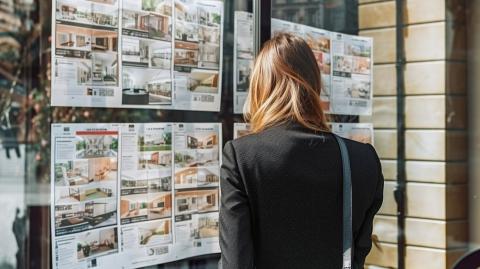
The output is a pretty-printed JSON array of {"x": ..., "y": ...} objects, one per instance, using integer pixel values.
[{"x": 285, "y": 86}]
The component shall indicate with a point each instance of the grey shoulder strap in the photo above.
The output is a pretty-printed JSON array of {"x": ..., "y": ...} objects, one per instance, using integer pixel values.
[{"x": 347, "y": 205}]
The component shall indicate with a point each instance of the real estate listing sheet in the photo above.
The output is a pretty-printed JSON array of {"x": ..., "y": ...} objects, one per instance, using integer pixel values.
[
  {"x": 240, "y": 129},
  {"x": 130, "y": 53},
  {"x": 345, "y": 63},
  {"x": 134, "y": 195},
  {"x": 361, "y": 132},
  {"x": 319, "y": 42},
  {"x": 84, "y": 194},
  {"x": 351, "y": 74},
  {"x": 243, "y": 58}
]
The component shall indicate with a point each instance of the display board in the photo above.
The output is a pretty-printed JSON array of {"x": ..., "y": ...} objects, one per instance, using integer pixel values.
[
  {"x": 361, "y": 132},
  {"x": 134, "y": 195},
  {"x": 137, "y": 53},
  {"x": 345, "y": 63}
]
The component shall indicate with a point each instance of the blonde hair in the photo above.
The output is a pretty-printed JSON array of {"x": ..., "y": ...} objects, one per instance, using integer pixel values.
[{"x": 285, "y": 86}]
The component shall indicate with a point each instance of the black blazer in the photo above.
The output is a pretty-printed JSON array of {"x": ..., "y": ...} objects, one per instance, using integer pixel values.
[{"x": 281, "y": 202}]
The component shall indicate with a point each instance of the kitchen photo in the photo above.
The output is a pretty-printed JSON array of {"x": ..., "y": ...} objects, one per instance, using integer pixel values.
[{"x": 143, "y": 86}]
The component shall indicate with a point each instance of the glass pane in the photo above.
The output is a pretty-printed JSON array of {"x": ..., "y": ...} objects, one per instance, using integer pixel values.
[{"x": 26, "y": 116}]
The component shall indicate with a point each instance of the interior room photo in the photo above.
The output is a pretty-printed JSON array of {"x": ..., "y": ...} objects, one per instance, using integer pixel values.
[
  {"x": 131, "y": 185},
  {"x": 202, "y": 140},
  {"x": 158, "y": 27},
  {"x": 186, "y": 54},
  {"x": 93, "y": 243},
  {"x": 203, "y": 81},
  {"x": 159, "y": 90},
  {"x": 196, "y": 201},
  {"x": 155, "y": 232},
  {"x": 138, "y": 82},
  {"x": 186, "y": 11},
  {"x": 73, "y": 38},
  {"x": 163, "y": 183},
  {"x": 361, "y": 65},
  {"x": 159, "y": 205},
  {"x": 95, "y": 146},
  {"x": 86, "y": 13},
  {"x": 342, "y": 63},
  {"x": 104, "y": 41},
  {"x": 105, "y": 69},
  {"x": 208, "y": 226},
  {"x": 211, "y": 35},
  {"x": 207, "y": 177},
  {"x": 160, "y": 55},
  {"x": 135, "y": 51},
  {"x": 186, "y": 178},
  {"x": 134, "y": 20},
  {"x": 209, "y": 16},
  {"x": 84, "y": 193},
  {"x": 196, "y": 176},
  {"x": 84, "y": 72},
  {"x": 154, "y": 160},
  {"x": 134, "y": 206},
  {"x": 163, "y": 7},
  {"x": 208, "y": 55},
  {"x": 79, "y": 172},
  {"x": 185, "y": 31},
  {"x": 244, "y": 68}
]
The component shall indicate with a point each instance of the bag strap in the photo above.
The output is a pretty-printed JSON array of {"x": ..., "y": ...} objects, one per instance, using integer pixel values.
[{"x": 347, "y": 205}]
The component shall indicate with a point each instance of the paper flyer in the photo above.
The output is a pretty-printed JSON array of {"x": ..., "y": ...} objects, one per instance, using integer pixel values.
[
  {"x": 164, "y": 54},
  {"x": 361, "y": 132},
  {"x": 84, "y": 209},
  {"x": 240, "y": 129},
  {"x": 351, "y": 74},
  {"x": 134, "y": 195},
  {"x": 345, "y": 63},
  {"x": 243, "y": 58}
]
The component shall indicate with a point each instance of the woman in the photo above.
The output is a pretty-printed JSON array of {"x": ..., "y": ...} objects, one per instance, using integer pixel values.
[{"x": 282, "y": 185}]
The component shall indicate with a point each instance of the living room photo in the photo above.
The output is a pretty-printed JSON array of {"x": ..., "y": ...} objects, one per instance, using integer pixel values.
[
  {"x": 154, "y": 160},
  {"x": 196, "y": 158},
  {"x": 72, "y": 218},
  {"x": 85, "y": 171},
  {"x": 96, "y": 146},
  {"x": 147, "y": 206},
  {"x": 93, "y": 191},
  {"x": 196, "y": 201},
  {"x": 197, "y": 177},
  {"x": 155, "y": 232},
  {"x": 203, "y": 81},
  {"x": 202, "y": 140},
  {"x": 96, "y": 243}
]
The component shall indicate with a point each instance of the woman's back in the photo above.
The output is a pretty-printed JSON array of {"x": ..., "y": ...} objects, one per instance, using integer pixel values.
[
  {"x": 281, "y": 203},
  {"x": 282, "y": 199}
]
